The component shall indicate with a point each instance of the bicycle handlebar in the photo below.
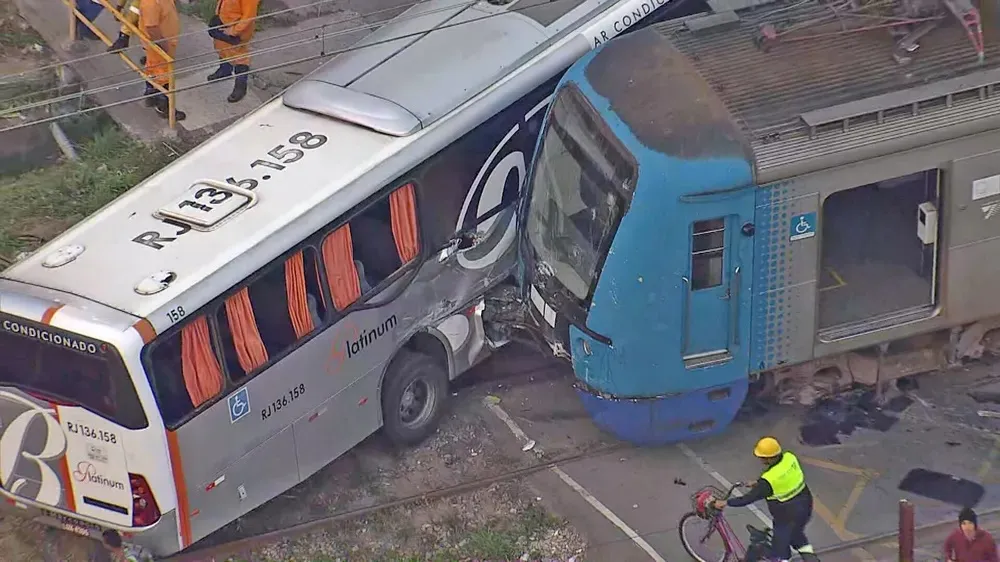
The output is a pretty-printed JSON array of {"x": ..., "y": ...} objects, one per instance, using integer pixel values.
[{"x": 733, "y": 489}]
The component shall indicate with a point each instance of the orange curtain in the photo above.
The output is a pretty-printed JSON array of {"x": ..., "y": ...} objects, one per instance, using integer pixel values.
[
  {"x": 403, "y": 209},
  {"x": 250, "y": 349},
  {"x": 199, "y": 366},
  {"x": 338, "y": 260},
  {"x": 295, "y": 290}
]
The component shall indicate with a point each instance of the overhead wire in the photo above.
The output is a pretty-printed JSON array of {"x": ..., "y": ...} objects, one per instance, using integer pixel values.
[
  {"x": 181, "y": 72},
  {"x": 301, "y": 60},
  {"x": 200, "y": 31},
  {"x": 258, "y": 40}
]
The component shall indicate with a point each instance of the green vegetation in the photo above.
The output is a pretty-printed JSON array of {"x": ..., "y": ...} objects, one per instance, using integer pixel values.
[
  {"x": 201, "y": 9},
  {"x": 15, "y": 33},
  {"x": 503, "y": 538},
  {"x": 36, "y": 206},
  {"x": 499, "y": 540},
  {"x": 205, "y": 9}
]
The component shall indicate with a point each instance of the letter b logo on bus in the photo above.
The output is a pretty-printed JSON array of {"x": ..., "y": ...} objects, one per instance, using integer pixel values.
[{"x": 28, "y": 444}]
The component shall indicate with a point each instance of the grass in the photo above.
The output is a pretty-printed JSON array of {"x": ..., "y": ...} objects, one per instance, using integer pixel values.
[
  {"x": 15, "y": 33},
  {"x": 205, "y": 9},
  {"x": 501, "y": 540},
  {"x": 201, "y": 9},
  {"x": 37, "y": 205}
]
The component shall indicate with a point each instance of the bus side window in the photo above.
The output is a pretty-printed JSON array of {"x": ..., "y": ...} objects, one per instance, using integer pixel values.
[
  {"x": 267, "y": 317},
  {"x": 185, "y": 371},
  {"x": 375, "y": 244}
]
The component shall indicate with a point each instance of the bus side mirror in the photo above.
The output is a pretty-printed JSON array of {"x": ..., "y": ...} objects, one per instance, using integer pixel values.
[
  {"x": 461, "y": 241},
  {"x": 466, "y": 239}
]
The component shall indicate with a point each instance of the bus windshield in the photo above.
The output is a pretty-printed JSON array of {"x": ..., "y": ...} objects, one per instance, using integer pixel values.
[
  {"x": 576, "y": 191},
  {"x": 68, "y": 369}
]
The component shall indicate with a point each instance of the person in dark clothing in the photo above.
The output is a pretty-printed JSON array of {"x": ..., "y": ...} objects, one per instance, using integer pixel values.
[
  {"x": 90, "y": 10},
  {"x": 789, "y": 500},
  {"x": 969, "y": 543}
]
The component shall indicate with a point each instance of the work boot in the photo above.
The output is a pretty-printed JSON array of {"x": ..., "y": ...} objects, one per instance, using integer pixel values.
[
  {"x": 150, "y": 95},
  {"x": 225, "y": 70},
  {"x": 240, "y": 88},
  {"x": 162, "y": 106},
  {"x": 119, "y": 44}
]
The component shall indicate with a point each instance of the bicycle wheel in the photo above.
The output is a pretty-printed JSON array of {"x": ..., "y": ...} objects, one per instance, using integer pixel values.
[{"x": 701, "y": 539}]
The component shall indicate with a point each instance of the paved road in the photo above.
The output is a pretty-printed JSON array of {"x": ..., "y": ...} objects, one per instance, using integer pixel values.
[
  {"x": 927, "y": 545},
  {"x": 638, "y": 496}
]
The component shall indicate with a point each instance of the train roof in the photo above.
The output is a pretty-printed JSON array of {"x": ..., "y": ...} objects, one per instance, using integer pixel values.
[
  {"x": 421, "y": 65},
  {"x": 829, "y": 91}
]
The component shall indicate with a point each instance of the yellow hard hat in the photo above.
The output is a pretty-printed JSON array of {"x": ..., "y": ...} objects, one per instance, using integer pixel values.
[{"x": 767, "y": 447}]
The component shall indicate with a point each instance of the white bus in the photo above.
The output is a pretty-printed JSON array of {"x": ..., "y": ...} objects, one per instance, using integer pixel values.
[{"x": 312, "y": 273}]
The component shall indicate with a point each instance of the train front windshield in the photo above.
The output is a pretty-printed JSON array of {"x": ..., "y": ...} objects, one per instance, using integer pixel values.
[{"x": 581, "y": 178}]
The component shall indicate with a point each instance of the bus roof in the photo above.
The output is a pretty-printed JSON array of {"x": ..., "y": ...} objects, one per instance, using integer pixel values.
[
  {"x": 416, "y": 76},
  {"x": 360, "y": 156},
  {"x": 845, "y": 85}
]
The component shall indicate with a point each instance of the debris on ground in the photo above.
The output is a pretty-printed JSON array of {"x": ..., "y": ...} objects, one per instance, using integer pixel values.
[{"x": 504, "y": 521}]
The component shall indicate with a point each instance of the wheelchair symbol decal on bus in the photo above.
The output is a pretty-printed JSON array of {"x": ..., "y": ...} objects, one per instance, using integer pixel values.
[
  {"x": 802, "y": 226},
  {"x": 239, "y": 405}
]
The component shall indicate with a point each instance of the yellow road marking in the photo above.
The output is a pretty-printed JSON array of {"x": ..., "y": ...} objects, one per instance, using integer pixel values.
[
  {"x": 830, "y": 519},
  {"x": 837, "y": 467},
  {"x": 852, "y": 501},
  {"x": 838, "y": 522}
]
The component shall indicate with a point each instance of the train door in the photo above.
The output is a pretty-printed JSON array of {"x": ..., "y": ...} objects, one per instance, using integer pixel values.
[
  {"x": 879, "y": 254},
  {"x": 719, "y": 249}
]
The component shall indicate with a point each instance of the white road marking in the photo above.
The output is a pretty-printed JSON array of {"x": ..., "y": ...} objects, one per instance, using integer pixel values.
[
  {"x": 502, "y": 414},
  {"x": 608, "y": 514},
  {"x": 726, "y": 484},
  {"x": 587, "y": 496}
]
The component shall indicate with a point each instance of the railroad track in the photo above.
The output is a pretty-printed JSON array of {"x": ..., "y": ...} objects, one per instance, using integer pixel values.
[
  {"x": 222, "y": 551},
  {"x": 518, "y": 367},
  {"x": 514, "y": 366}
]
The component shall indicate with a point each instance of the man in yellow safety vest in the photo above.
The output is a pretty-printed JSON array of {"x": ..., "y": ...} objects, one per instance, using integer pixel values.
[{"x": 789, "y": 500}]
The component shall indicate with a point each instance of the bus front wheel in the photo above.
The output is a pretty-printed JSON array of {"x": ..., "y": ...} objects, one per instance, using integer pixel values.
[{"x": 413, "y": 397}]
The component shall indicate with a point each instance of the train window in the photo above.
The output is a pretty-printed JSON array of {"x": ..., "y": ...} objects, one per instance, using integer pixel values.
[
  {"x": 371, "y": 247},
  {"x": 268, "y": 316},
  {"x": 185, "y": 371},
  {"x": 708, "y": 242}
]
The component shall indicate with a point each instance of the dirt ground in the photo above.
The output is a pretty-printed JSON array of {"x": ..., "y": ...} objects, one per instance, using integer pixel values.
[{"x": 504, "y": 521}]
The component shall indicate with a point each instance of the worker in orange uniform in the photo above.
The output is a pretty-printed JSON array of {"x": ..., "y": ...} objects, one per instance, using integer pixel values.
[
  {"x": 232, "y": 28},
  {"x": 129, "y": 9},
  {"x": 158, "y": 19}
]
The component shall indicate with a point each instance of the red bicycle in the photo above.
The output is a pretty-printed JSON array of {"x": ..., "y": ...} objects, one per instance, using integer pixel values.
[{"x": 699, "y": 527}]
